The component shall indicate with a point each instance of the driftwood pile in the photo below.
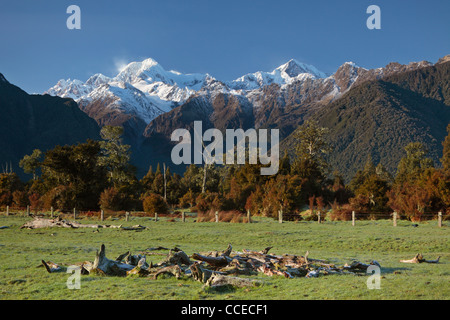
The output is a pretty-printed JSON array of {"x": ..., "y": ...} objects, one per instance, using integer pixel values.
[
  {"x": 38, "y": 222},
  {"x": 214, "y": 269}
]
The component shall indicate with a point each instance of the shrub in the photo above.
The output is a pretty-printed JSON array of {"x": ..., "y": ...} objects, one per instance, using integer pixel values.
[
  {"x": 341, "y": 213},
  {"x": 208, "y": 201},
  {"x": 61, "y": 197},
  {"x": 155, "y": 203},
  {"x": 5, "y": 198},
  {"x": 20, "y": 198},
  {"x": 111, "y": 199},
  {"x": 187, "y": 200},
  {"x": 35, "y": 201},
  {"x": 231, "y": 216}
]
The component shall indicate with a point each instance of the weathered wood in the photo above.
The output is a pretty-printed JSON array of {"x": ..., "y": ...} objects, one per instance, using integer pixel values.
[
  {"x": 38, "y": 222},
  {"x": 220, "y": 261},
  {"x": 395, "y": 219},
  {"x": 420, "y": 259},
  {"x": 7, "y": 210},
  {"x": 110, "y": 267},
  {"x": 177, "y": 257},
  {"x": 353, "y": 218},
  {"x": 51, "y": 267},
  {"x": 174, "y": 270},
  {"x": 219, "y": 269},
  {"x": 218, "y": 280},
  {"x": 141, "y": 268},
  {"x": 440, "y": 219}
]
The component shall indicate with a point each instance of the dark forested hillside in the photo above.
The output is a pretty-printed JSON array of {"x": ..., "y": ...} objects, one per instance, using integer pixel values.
[
  {"x": 38, "y": 122},
  {"x": 379, "y": 118}
]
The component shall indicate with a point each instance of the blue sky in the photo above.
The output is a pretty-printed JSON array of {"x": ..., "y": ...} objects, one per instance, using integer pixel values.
[{"x": 223, "y": 38}]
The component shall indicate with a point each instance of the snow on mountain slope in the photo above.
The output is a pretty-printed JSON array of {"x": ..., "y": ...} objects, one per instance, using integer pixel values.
[
  {"x": 146, "y": 89},
  {"x": 143, "y": 88},
  {"x": 284, "y": 74}
]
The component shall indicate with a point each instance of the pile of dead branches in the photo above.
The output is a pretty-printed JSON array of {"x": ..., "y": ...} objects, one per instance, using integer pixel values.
[{"x": 214, "y": 269}]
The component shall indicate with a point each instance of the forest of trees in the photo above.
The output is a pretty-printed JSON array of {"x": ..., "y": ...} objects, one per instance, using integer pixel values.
[{"x": 98, "y": 174}]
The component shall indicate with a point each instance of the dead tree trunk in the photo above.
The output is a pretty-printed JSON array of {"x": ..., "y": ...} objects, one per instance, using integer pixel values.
[{"x": 420, "y": 259}]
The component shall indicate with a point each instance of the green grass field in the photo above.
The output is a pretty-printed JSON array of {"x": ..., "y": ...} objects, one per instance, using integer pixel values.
[{"x": 23, "y": 277}]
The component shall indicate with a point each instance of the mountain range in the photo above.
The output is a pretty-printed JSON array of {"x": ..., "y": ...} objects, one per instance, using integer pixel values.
[{"x": 372, "y": 112}]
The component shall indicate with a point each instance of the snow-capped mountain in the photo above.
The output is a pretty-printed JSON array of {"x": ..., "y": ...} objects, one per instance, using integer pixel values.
[
  {"x": 145, "y": 89},
  {"x": 285, "y": 74}
]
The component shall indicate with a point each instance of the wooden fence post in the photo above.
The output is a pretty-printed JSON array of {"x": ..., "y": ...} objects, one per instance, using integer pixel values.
[
  {"x": 395, "y": 218},
  {"x": 318, "y": 217},
  {"x": 156, "y": 216},
  {"x": 353, "y": 218},
  {"x": 102, "y": 215},
  {"x": 280, "y": 216},
  {"x": 7, "y": 210},
  {"x": 28, "y": 210},
  {"x": 217, "y": 216},
  {"x": 183, "y": 216},
  {"x": 440, "y": 219},
  {"x": 249, "y": 217},
  {"x": 127, "y": 215},
  {"x": 74, "y": 213},
  {"x": 51, "y": 212}
]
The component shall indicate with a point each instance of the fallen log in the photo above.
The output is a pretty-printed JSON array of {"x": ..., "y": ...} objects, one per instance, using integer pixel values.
[
  {"x": 174, "y": 270},
  {"x": 39, "y": 222},
  {"x": 51, "y": 267},
  {"x": 420, "y": 259},
  {"x": 220, "y": 261}
]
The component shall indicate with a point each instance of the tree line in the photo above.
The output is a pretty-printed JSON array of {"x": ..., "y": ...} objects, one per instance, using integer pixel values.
[{"x": 98, "y": 174}]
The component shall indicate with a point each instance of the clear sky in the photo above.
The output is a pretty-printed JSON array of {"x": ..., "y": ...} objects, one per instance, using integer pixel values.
[{"x": 223, "y": 38}]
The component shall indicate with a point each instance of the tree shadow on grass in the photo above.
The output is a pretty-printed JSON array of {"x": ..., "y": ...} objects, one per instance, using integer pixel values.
[{"x": 385, "y": 270}]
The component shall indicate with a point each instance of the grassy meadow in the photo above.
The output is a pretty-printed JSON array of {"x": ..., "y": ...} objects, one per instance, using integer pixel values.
[{"x": 23, "y": 277}]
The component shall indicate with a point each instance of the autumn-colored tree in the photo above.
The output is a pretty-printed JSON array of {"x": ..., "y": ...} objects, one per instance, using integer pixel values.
[
  {"x": 20, "y": 199},
  {"x": 410, "y": 200},
  {"x": 188, "y": 199},
  {"x": 111, "y": 199},
  {"x": 154, "y": 203},
  {"x": 282, "y": 193}
]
